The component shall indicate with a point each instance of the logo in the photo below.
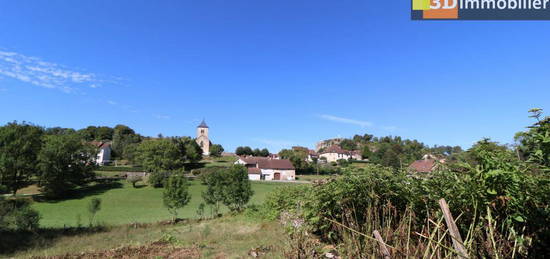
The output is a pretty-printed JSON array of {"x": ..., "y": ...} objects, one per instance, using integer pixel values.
[{"x": 480, "y": 10}]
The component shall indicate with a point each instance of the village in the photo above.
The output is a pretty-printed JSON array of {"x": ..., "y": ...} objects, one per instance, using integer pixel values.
[
  {"x": 274, "y": 129},
  {"x": 275, "y": 168}
]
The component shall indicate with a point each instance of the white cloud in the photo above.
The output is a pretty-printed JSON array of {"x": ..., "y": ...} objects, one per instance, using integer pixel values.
[
  {"x": 35, "y": 71},
  {"x": 111, "y": 102},
  {"x": 346, "y": 120}
]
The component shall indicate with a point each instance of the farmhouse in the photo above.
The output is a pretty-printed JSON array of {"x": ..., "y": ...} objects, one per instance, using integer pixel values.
[
  {"x": 427, "y": 164},
  {"x": 311, "y": 154},
  {"x": 335, "y": 153},
  {"x": 261, "y": 168},
  {"x": 104, "y": 154}
]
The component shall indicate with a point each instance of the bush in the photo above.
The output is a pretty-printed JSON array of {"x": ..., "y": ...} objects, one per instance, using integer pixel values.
[
  {"x": 176, "y": 194},
  {"x": 236, "y": 188},
  {"x": 26, "y": 218},
  {"x": 506, "y": 197},
  {"x": 18, "y": 215},
  {"x": 285, "y": 199},
  {"x": 158, "y": 179},
  {"x": 93, "y": 208}
]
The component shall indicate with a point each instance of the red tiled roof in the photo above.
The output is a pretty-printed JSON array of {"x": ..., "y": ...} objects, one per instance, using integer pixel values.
[
  {"x": 100, "y": 144},
  {"x": 423, "y": 166},
  {"x": 335, "y": 149},
  {"x": 254, "y": 170},
  {"x": 267, "y": 163}
]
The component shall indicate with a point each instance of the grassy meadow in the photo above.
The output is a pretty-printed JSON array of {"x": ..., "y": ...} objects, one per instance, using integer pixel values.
[
  {"x": 123, "y": 204},
  {"x": 226, "y": 237}
]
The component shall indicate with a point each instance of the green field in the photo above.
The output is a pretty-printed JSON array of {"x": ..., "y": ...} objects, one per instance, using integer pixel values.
[{"x": 123, "y": 204}]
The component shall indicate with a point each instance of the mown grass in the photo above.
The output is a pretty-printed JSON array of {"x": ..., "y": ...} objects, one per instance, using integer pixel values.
[
  {"x": 226, "y": 237},
  {"x": 123, "y": 204},
  {"x": 225, "y": 161}
]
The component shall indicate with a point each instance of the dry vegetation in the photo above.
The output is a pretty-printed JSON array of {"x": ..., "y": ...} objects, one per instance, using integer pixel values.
[{"x": 226, "y": 237}]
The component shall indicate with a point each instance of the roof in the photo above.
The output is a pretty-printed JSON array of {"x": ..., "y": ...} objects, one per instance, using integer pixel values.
[
  {"x": 335, "y": 149},
  {"x": 267, "y": 163},
  {"x": 254, "y": 170},
  {"x": 100, "y": 144},
  {"x": 423, "y": 166},
  {"x": 202, "y": 125}
]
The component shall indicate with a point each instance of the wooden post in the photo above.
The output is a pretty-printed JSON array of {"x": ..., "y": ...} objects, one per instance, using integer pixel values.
[
  {"x": 383, "y": 247},
  {"x": 453, "y": 229}
]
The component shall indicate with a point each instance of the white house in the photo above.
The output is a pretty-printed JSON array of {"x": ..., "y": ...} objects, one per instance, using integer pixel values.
[
  {"x": 262, "y": 168},
  {"x": 104, "y": 153},
  {"x": 335, "y": 153}
]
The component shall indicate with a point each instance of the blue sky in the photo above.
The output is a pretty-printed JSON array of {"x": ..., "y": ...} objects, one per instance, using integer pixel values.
[{"x": 270, "y": 73}]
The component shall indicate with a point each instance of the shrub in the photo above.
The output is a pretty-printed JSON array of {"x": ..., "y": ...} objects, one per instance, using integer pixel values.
[
  {"x": 495, "y": 193},
  {"x": 285, "y": 199},
  {"x": 18, "y": 215},
  {"x": 158, "y": 179},
  {"x": 94, "y": 206},
  {"x": 213, "y": 195},
  {"x": 236, "y": 188},
  {"x": 176, "y": 194},
  {"x": 26, "y": 218}
]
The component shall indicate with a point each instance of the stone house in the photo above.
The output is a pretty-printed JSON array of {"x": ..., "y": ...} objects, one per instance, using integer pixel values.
[
  {"x": 263, "y": 168},
  {"x": 335, "y": 153}
]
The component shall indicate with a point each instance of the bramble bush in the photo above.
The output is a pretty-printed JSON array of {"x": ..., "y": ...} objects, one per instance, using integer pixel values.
[{"x": 376, "y": 197}]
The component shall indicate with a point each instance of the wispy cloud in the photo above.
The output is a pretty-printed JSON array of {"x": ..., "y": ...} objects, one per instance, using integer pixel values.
[
  {"x": 162, "y": 117},
  {"x": 111, "y": 102},
  {"x": 35, "y": 71},
  {"x": 346, "y": 120}
]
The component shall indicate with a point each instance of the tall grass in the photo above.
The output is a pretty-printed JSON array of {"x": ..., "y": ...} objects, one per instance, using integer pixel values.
[{"x": 345, "y": 211}]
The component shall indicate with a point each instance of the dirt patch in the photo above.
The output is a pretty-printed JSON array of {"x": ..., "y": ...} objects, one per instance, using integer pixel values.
[{"x": 157, "y": 249}]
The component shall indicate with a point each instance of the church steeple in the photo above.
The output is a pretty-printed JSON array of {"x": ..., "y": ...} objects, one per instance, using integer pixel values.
[
  {"x": 203, "y": 125},
  {"x": 202, "y": 138}
]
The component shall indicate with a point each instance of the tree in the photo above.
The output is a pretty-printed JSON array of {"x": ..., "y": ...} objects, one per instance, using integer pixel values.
[
  {"x": 237, "y": 189},
  {"x": 189, "y": 149},
  {"x": 176, "y": 194},
  {"x": 216, "y": 150},
  {"x": 348, "y": 144},
  {"x": 161, "y": 155},
  {"x": 93, "y": 208},
  {"x": 297, "y": 158},
  {"x": 534, "y": 144},
  {"x": 123, "y": 136},
  {"x": 214, "y": 193},
  {"x": 19, "y": 147},
  {"x": 59, "y": 131},
  {"x": 65, "y": 162},
  {"x": 260, "y": 152},
  {"x": 244, "y": 151}
]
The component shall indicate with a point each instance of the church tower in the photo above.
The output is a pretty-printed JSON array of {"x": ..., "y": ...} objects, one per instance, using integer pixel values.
[{"x": 202, "y": 138}]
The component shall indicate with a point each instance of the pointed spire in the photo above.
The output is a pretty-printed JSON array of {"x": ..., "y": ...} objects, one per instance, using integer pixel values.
[{"x": 202, "y": 125}]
